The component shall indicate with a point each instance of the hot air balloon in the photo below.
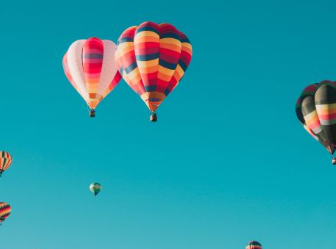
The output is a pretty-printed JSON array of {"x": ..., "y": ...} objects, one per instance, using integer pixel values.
[
  {"x": 5, "y": 211},
  {"x": 5, "y": 161},
  {"x": 316, "y": 110},
  {"x": 90, "y": 67},
  {"x": 253, "y": 245},
  {"x": 95, "y": 188},
  {"x": 152, "y": 58}
]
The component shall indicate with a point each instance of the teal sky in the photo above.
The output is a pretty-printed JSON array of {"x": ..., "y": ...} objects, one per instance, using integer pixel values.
[{"x": 226, "y": 163}]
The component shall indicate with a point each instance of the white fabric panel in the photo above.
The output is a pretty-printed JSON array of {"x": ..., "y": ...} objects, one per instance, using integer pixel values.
[
  {"x": 109, "y": 67},
  {"x": 75, "y": 64}
]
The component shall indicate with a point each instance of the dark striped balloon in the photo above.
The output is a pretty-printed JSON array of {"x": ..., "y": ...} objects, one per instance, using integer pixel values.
[
  {"x": 5, "y": 211},
  {"x": 316, "y": 111},
  {"x": 152, "y": 59},
  {"x": 5, "y": 161},
  {"x": 253, "y": 245}
]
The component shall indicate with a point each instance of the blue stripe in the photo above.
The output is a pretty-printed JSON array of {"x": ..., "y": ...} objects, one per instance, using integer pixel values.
[
  {"x": 154, "y": 100},
  {"x": 93, "y": 56},
  {"x": 125, "y": 39},
  {"x": 167, "y": 92},
  {"x": 147, "y": 28},
  {"x": 183, "y": 66},
  {"x": 185, "y": 40},
  {"x": 150, "y": 88},
  {"x": 168, "y": 65},
  {"x": 147, "y": 57},
  {"x": 170, "y": 35},
  {"x": 131, "y": 67}
]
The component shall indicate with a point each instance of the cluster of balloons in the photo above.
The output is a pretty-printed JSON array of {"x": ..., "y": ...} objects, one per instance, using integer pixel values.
[
  {"x": 5, "y": 162},
  {"x": 152, "y": 59},
  {"x": 316, "y": 110}
]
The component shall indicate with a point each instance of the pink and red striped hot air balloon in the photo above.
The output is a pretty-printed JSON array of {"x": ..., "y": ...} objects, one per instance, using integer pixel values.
[
  {"x": 90, "y": 67},
  {"x": 152, "y": 59}
]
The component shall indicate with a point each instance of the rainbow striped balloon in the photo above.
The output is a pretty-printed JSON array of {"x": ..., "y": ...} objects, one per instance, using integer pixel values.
[
  {"x": 316, "y": 110},
  {"x": 5, "y": 161},
  {"x": 253, "y": 245},
  {"x": 5, "y": 211},
  {"x": 91, "y": 69},
  {"x": 152, "y": 58}
]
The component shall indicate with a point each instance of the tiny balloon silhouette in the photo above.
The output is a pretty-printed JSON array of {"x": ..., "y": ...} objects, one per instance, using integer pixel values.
[{"x": 95, "y": 188}]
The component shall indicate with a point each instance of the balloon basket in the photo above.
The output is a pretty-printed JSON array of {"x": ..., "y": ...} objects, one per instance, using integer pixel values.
[
  {"x": 92, "y": 113},
  {"x": 153, "y": 117}
]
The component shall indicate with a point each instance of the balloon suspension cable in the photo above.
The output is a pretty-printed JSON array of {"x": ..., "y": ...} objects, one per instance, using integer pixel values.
[
  {"x": 1, "y": 171},
  {"x": 153, "y": 117},
  {"x": 92, "y": 113}
]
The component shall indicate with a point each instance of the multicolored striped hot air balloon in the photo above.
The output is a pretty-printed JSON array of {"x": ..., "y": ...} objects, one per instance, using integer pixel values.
[
  {"x": 95, "y": 188},
  {"x": 5, "y": 211},
  {"x": 152, "y": 58},
  {"x": 253, "y": 245},
  {"x": 90, "y": 67},
  {"x": 316, "y": 110},
  {"x": 5, "y": 161}
]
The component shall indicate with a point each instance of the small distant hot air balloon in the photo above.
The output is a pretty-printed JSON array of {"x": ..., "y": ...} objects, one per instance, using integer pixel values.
[
  {"x": 253, "y": 245},
  {"x": 5, "y": 161},
  {"x": 316, "y": 110},
  {"x": 91, "y": 69},
  {"x": 152, "y": 58},
  {"x": 5, "y": 211},
  {"x": 95, "y": 188}
]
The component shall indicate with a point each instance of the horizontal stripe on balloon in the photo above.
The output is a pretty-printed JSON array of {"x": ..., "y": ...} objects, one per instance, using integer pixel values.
[
  {"x": 131, "y": 67},
  {"x": 93, "y": 56},
  {"x": 147, "y": 28},
  {"x": 170, "y": 35},
  {"x": 166, "y": 64},
  {"x": 125, "y": 39},
  {"x": 328, "y": 122},
  {"x": 147, "y": 57}
]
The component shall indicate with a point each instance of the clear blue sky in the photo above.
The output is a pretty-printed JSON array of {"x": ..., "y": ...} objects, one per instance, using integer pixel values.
[{"x": 227, "y": 161}]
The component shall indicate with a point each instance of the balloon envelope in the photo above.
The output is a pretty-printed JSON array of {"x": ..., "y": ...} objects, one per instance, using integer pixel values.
[
  {"x": 316, "y": 110},
  {"x": 5, "y": 211},
  {"x": 5, "y": 161},
  {"x": 91, "y": 69},
  {"x": 253, "y": 245},
  {"x": 95, "y": 188},
  {"x": 152, "y": 59}
]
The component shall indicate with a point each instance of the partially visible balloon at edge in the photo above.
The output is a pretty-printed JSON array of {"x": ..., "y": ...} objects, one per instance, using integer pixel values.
[
  {"x": 253, "y": 245},
  {"x": 5, "y": 161},
  {"x": 5, "y": 211}
]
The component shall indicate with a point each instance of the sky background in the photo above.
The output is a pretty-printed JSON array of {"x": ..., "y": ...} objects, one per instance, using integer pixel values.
[{"x": 226, "y": 163}]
